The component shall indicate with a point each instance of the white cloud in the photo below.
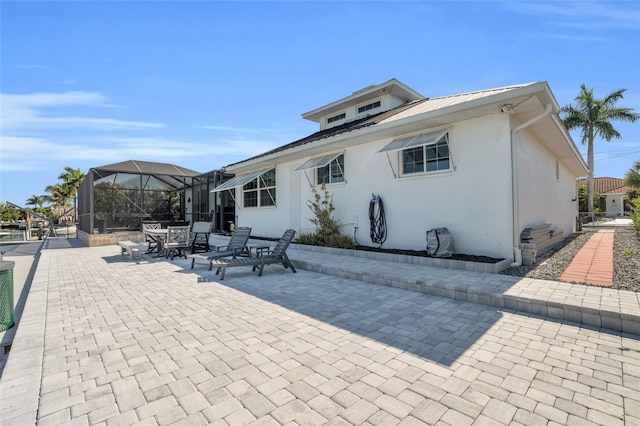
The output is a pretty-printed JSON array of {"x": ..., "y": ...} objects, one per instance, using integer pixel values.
[
  {"x": 30, "y": 154},
  {"x": 23, "y": 154},
  {"x": 169, "y": 148},
  {"x": 24, "y": 111},
  {"x": 32, "y": 139},
  {"x": 591, "y": 15},
  {"x": 229, "y": 129}
]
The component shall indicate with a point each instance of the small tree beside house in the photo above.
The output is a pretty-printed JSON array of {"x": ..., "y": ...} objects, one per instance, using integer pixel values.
[{"x": 327, "y": 227}]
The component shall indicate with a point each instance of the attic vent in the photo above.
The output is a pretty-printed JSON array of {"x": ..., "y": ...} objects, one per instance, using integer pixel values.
[
  {"x": 336, "y": 118},
  {"x": 369, "y": 107}
]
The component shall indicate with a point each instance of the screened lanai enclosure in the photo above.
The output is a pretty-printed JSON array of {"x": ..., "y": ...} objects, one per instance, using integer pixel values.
[{"x": 120, "y": 197}]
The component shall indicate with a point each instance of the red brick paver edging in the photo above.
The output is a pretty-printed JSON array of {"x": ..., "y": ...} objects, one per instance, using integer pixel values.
[{"x": 594, "y": 262}]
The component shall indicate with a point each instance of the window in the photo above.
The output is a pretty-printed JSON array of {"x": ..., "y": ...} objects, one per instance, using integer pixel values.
[
  {"x": 426, "y": 158},
  {"x": 261, "y": 191},
  {"x": 336, "y": 118},
  {"x": 424, "y": 153},
  {"x": 369, "y": 107},
  {"x": 332, "y": 172}
]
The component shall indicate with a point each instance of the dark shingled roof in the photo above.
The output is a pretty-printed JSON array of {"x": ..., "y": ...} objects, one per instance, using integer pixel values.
[{"x": 360, "y": 123}]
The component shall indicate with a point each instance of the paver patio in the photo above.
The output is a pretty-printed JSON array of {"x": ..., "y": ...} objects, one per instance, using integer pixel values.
[{"x": 105, "y": 340}]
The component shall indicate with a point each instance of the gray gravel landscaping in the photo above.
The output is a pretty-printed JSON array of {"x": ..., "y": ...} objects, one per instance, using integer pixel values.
[{"x": 626, "y": 258}]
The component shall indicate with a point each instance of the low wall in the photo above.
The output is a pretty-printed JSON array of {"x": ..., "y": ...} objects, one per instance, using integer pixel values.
[
  {"x": 95, "y": 240},
  {"x": 494, "y": 268}
]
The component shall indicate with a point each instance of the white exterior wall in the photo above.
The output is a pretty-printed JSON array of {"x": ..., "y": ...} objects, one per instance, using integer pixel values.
[
  {"x": 268, "y": 221},
  {"x": 545, "y": 193},
  {"x": 615, "y": 203},
  {"x": 473, "y": 202},
  {"x": 387, "y": 102}
]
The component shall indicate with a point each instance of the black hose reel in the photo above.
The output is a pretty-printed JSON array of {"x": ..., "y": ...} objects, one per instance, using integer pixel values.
[{"x": 377, "y": 221}]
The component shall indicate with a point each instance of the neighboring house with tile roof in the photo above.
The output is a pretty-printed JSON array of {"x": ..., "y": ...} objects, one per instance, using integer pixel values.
[
  {"x": 483, "y": 164},
  {"x": 612, "y": 192}
]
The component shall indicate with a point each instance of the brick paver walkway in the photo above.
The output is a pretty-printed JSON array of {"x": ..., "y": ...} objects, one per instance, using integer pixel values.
[
  {"x": 594, "y": 262},
  {"x": 105, "y": 340}
]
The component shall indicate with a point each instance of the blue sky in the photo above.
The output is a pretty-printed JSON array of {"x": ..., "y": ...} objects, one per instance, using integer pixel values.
[{"x": 203, "y": 84}]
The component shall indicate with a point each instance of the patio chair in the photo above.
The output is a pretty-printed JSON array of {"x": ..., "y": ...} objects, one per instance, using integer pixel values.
[
  {"x": 177, "y": 241},
  {"x": 200, "y": 232},
  {"x": 152, "y": 243},
  {"x": 237, "y": 246},
  {"x": 277, "y": 255}
]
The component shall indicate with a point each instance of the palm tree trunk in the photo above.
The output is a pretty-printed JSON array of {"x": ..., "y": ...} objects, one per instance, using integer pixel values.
[{"x": 590, "y": 178}]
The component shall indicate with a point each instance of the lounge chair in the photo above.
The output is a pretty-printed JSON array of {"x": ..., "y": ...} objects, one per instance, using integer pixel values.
[
  {"x": 237, "y": 246},
  {"x": 177, "y": 241},
  {"x": 200, "y": 232},
  {"x": 277, "y": 255}
]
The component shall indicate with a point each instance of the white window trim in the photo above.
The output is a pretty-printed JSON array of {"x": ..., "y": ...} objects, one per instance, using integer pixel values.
[
  {"x": 368, "y": 112},
  {"x": 240, "y": 180},
  {"x": 424, "y": 172},
  {"x": 422, "y": 139},
  {"x": 258, "y": 190},
  {"x": 333, "y": 123},
  {"x": 344, "y": 178},
  {"x": 317, "y": 162}
]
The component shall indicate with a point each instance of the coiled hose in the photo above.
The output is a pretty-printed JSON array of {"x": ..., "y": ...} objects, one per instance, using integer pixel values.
[{"x": 378, "y": 223}]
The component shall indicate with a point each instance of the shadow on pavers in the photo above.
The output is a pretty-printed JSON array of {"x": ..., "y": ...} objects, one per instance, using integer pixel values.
[
  {"x": 438, "y": 328},
  {"x": 431, "y": 327}
]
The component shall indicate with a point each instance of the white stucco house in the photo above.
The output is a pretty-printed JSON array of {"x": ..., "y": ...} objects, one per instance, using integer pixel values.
[
  {"x": 483, "y": 164},
  {"x": 612, "y": 192}
]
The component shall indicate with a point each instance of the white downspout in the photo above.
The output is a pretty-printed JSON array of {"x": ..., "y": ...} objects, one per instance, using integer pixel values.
[{"x": 517, "y": 253}]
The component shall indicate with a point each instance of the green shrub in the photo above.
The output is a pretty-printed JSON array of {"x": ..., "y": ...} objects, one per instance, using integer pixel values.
[
  {"x": 340, "y": 241},
  {"x": 310, "y": 240},
  {"x": 327, "y": 227},
  {"x": 635, "y": 214}
]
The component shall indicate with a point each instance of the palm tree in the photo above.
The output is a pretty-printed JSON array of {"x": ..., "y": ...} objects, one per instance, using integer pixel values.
[
  {"x": 36, "y": 201},
  {"x": 594, "y": 117},
  {"x": 72, "y": 178},
  {"x": 632, "y": 177},
  {"x": 58, "y": 195}
]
